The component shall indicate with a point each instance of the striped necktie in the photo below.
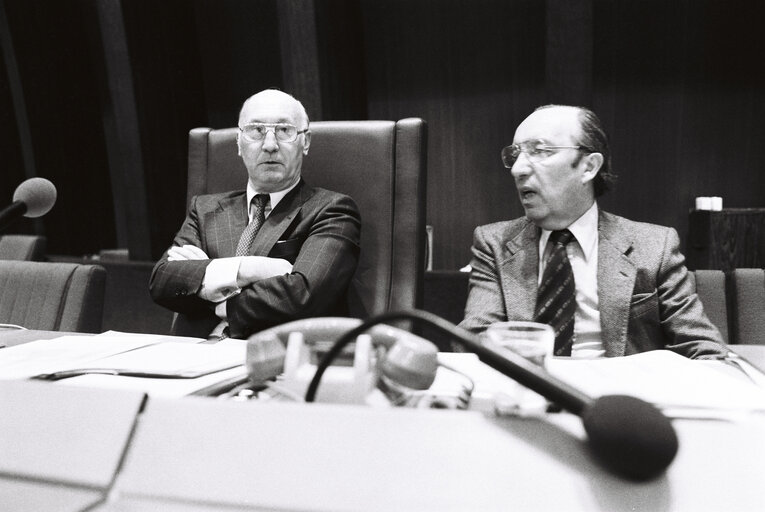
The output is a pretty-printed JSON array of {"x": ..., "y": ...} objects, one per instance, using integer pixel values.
[
  {"x": 258, "y": 218},
  {"x": 556, "y": 296}
]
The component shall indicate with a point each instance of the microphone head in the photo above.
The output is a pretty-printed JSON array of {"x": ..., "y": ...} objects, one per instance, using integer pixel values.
[
  {"x": 38, "y": 194},
  {"x": 630, "y": 436}
]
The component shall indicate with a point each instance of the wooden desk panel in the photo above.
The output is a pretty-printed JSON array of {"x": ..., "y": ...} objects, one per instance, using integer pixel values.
[{"x": 726, "y": 239}]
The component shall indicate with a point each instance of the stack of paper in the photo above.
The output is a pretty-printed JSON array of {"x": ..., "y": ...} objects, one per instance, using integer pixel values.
[
  {"x": 157, "y": 366},
  {"x": 665, "y": 379}
]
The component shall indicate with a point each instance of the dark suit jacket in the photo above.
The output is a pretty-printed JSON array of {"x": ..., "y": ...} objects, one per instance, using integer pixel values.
[
  {"x": 646, "y": 299},
  {"x": 314, "y": 229}
]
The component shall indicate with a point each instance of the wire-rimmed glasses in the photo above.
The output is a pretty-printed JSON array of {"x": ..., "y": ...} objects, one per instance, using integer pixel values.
[
  {"x": 536, "y": 151},
  {"x": 284, "y": 132}
]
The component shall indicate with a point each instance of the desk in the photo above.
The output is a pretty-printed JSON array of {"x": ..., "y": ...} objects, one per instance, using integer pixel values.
[
  {"x": 60, "y": 446},
  {"x": 200, "y": 455},
  {"x": 338, "y": 458}
]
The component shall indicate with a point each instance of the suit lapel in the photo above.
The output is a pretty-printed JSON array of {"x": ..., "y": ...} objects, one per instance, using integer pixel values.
[
  {"x": 519, "y": 273},
  {"x": 616, "y": 280},
  {"x": 280, "y": 219},
  {"x": 227, "y": 223}
]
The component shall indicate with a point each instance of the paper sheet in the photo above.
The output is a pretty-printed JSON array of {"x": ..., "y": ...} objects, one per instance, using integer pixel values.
[
  {"x": 681, "y": 387},
  {"x": 663, "y": 378}
]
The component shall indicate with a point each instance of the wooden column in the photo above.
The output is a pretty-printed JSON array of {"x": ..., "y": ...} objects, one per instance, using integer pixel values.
[{"x": 123, "y": 138}]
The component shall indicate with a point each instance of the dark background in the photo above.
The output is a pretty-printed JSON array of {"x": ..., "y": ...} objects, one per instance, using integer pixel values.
[{"x": 99, "y": 95}]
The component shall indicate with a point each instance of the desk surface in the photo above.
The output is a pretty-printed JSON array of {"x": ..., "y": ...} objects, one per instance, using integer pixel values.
[
  {"x": 198, "y": 454},
  {"x": 336, "y": 458}
]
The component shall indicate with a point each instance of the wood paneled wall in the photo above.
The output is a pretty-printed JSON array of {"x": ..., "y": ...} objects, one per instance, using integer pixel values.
[{"x": 108, "y": 90}]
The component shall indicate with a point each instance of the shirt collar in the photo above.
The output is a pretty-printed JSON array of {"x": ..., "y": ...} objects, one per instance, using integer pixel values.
[
  {"x": 584, "y": 229},
  {"x": 273, "y": 197}
]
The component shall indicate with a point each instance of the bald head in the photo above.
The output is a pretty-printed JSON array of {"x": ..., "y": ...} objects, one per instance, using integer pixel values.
[{"x": 275, "y": 100}]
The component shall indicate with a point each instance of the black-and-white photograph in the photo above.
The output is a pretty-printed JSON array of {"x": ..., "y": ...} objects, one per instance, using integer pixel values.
[{"x": 382, "y": 255}]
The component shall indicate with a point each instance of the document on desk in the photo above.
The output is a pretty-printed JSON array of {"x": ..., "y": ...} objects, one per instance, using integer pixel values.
[
  {"x": 668, "y": 380},
  {"x": 179, "y": 367},
  {"x": 65, "y": 352}
]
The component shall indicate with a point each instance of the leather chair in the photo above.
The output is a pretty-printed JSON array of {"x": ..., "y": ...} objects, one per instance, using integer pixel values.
[
  {"x": 710, "y": 287},
  {"x": 748, "y": 305},
  {"x": 52, "y": 296},
  {"x": 381, "y": 165},
  {"x": 22, "y": 247}
]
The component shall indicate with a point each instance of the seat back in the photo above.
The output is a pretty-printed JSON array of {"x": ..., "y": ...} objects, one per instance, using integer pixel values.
[
  {"x": 22, "y": 247},
  {"x": 710, "y": 287},
  {"x": 748, "y": 305},
  {"x": 381, "y": 165},
  {"x": 52, "y": 296}
]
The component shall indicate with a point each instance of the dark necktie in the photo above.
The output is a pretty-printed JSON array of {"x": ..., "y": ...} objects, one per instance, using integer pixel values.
[
  {"x": 556, "y": 296},
  {"x": 258, "y": 217}
]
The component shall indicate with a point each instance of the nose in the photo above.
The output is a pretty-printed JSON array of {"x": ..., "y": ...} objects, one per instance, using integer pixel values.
[
  {"x": 270, "y": 143},
  {"x": 522, "y": 166}
]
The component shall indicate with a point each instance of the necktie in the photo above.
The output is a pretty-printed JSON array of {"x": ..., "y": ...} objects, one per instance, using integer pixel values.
[
  {"x": 556, "y": 296},
  {"x": 258, "y": 217}
]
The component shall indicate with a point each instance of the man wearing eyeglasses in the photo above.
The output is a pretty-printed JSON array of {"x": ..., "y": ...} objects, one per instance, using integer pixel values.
[
  {"x": 277, "y": 251},
  {"x": 607, "y": 285}
]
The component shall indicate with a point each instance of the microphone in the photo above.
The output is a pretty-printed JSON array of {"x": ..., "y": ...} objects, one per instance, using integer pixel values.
[
  {"x": 626, "y": 434},
  {"x": 32, "y": 198}
]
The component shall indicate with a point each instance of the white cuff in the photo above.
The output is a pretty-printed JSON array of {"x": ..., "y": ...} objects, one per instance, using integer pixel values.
[{"x": 219, "y": 282}]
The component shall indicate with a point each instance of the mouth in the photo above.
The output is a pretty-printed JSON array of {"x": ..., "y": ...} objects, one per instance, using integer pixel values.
[{"x": 527, "y": 193}]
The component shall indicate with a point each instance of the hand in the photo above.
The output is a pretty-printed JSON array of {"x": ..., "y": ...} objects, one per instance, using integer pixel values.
[
  {"x": 255, "y": 268},
  {"x": 187, "y": 252}
]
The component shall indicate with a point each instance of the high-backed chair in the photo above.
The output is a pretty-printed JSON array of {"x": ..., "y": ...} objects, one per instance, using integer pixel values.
[
  {"x": 22, "y": 247},
  {"x": 748, "y": 305},
  {"x": 381, "y": 165},
  {"x": 52, "y": 296},
  {"x": 710, "y": 287}
]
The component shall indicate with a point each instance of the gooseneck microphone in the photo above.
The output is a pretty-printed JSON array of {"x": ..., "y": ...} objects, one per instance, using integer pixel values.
[
  {"x": 628, "y": 435},
  {"x": 32, "y": 198}
]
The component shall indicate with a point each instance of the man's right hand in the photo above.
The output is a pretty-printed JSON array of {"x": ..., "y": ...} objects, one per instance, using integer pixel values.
[
  {"x": 255, "y": 268},
  {"x": 186, "y": 252}
]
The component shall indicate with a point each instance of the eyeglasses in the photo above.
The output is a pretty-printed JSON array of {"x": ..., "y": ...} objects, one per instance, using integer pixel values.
[
  {"x": 536, "y": 151},
  {"x": 256, "y": 132}
]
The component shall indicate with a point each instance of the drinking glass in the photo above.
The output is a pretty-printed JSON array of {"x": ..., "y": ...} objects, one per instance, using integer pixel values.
[{"x": 533, "y": 341}]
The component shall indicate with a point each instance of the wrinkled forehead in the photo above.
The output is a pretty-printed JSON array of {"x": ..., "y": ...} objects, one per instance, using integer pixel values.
[
  {"x": 271, "y": 107},
  {"x": 559, "y": 125}
]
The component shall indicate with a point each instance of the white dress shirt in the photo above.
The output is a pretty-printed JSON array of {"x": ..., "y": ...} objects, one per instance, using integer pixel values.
[{"x": 583, "y": 254}]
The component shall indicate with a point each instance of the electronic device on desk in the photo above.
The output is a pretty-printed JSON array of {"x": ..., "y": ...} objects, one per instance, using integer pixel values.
[
  {"x": 385, "y": 366},
  {"x": 628, "y": 435}
]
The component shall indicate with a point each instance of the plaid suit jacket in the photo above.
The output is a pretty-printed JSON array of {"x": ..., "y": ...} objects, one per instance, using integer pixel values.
[
  {"x": 646, "y": 298},
  {"x": 316, "y": 230}
]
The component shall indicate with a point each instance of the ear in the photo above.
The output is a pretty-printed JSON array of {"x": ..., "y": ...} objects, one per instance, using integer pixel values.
[
  {"x": 306, "y": 142},
  {"x": 592, "y": 164},
  {"x": 238, "y": 147}
]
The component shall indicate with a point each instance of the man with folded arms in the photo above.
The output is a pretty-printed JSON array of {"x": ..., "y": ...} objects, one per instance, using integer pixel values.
[
  {"x": 278, "y": 251},
  {"x": 607, "y": 285}
]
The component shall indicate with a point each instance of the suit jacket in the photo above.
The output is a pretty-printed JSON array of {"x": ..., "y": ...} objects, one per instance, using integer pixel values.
[
  {"x": 314, "y": 229},
  {"x": 646, "y": 298}
]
